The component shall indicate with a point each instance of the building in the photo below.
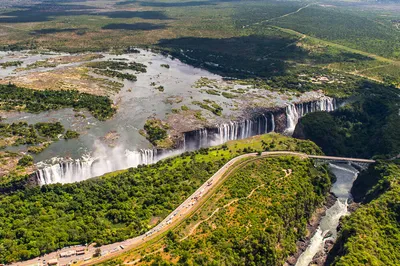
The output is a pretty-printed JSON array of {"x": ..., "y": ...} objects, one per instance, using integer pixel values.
[
  {"x": 52, "y": 262},
  {"x": 80, "y": 251},
  {"x": 67, "y": 254}
]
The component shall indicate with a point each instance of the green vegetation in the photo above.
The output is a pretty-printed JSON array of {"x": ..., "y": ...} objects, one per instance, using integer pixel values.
[
  {"x": 21, "y": 133},
  {"x": 210, "y": 106},
  {"x": 11, "y": 64},
  {"x": 371, "y": 235},
  {"x": 228, "y": 95},
  {"x": 266, "y": 211},
  {"x": 155, "y": 131},
  {"x": 213, "y": 92},
  {"x": 346, "y": 27},
  {"x": 165, "y": 65},
  {"x": 364, "y": 127},
  {"x": 160, "y": 88},
  {"x": 199, "y": 116},
  {"x": 38, "y": 149},
  {"x": 40, "y": 134},
  {"x": 50, "y": 130},
  {"x": 206, "y": 82},
  {"x": 389, "y": 74},
  {"x": 25, "y": 161},
  {"x": 118, "y": 65},
  {"x": 16, "y": 98},
  {"x": 185, "y": 108},
  {"x": 116, "y": 206},
  {"x": 41, "y": 63},
  {"x": 115, "y": 74},
  {"x": 70, "y": 134},
  {"x": 280, "y": 46},
  {"x": 257, "y": 41}
]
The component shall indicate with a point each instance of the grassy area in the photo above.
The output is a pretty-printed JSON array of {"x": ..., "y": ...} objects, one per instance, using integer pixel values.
[{"x": 345, "y": 27}]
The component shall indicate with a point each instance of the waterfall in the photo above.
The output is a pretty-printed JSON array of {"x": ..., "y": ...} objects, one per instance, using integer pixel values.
[
  {"x": 224, "y": 132},
  {"x": 296, "y": 111},
  {"x": 292, "y": 117},
  {"x": 81, "y": 169},
  {"x": 272, "y": 122},
  {"x": 261, "y": 124},
  {"x": 104, "y": 159}
]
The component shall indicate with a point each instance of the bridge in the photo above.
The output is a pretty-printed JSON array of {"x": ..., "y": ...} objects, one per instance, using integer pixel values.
[{"x": 362, "y": 163}]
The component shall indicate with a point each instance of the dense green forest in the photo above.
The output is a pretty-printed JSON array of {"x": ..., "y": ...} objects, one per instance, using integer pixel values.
[
  {"x": 16, "y": 98},
  {"x": 114, "y": 207},
  {"x": 367, "y": 125},
  {"x": 266, "y": 211},
  {"x": 371, "y": 235}
]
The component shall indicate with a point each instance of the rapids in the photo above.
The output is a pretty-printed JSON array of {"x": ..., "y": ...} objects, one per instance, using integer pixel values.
[{"x": 327, "y": 230}]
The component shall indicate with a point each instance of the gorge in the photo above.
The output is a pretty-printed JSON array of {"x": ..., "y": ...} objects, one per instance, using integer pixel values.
[{"x": 326, "y": 232}]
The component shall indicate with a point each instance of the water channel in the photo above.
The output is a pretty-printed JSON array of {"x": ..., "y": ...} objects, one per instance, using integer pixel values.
[{"x": 345, "y": 176}]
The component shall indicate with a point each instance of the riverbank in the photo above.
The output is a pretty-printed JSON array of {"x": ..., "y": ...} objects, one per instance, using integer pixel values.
[
  {"x": 312, "y": 227},
  {"x": 320, "y": 258},
  {"x": 326, "y": 233}
]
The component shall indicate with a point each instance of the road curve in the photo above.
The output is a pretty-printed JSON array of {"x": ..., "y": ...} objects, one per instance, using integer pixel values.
[
  {"x": 187, "y": 207},
  {"x": 173, "y": 219}
]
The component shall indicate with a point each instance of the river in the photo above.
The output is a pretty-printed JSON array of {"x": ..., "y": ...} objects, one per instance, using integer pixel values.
[
  {"x": 92, "y": 155},
  {"x": 345, "y": 175}
]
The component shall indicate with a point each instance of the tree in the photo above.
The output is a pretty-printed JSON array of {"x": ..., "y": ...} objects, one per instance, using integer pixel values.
[
  {"x": 97, "y": 252},
  {"x": 26, "y": 160}
]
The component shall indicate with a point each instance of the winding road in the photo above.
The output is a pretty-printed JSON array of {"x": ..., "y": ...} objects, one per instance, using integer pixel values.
[{"x": 183, "y": 211}]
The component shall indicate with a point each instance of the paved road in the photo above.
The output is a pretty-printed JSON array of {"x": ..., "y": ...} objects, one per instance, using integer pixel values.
[
  {"x": 333, "y": 158},
  {"x": 176, "y": 216}
]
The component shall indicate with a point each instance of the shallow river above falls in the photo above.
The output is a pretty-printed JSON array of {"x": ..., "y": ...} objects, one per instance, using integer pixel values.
[
  {"x": 137, "y": 101},
  {"x": 92, "y": 154}
]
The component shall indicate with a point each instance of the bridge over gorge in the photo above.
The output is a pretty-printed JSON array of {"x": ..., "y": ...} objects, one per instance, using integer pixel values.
[{"x": 362, "y": 163}]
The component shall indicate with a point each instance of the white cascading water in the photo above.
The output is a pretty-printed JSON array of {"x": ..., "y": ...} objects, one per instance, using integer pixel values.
[
  {"x": 345, "y": 176},
  {"x": 263, "y": 124},
  {"x": 104, "y": 159},
  {"x": 273, "y": 123},
  {"x": 232, "y": 130},
  {"x": 292, "y": 117},
  {"x": 296, "y": 111}
]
